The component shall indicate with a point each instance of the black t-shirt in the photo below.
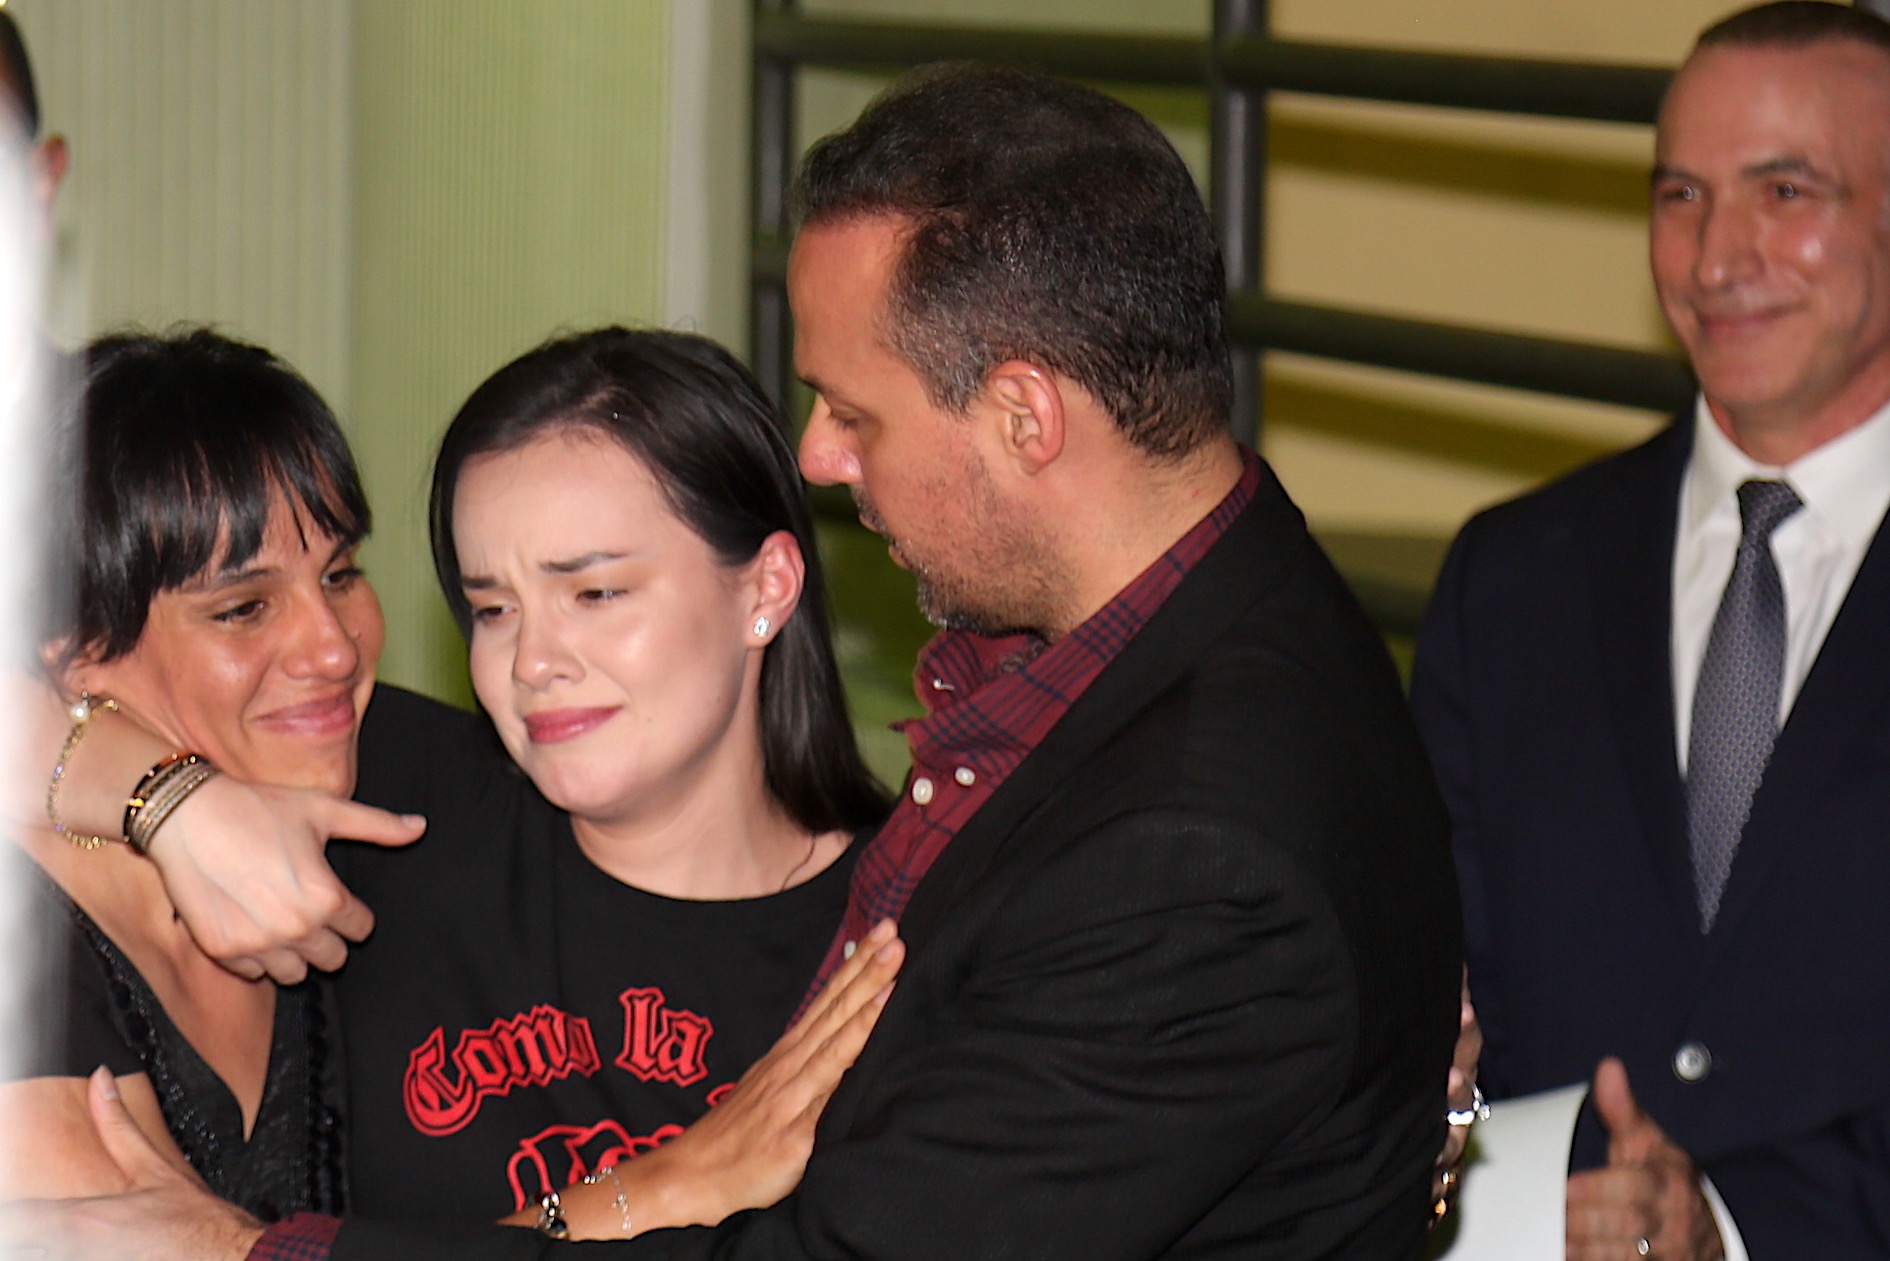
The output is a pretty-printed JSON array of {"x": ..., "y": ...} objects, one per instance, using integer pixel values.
[{"x": 519, "y": 1018}]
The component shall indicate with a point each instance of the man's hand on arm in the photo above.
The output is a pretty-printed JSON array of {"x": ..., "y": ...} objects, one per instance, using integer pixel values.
[
  {"x": 168, "y": 1215},
  {"x": 1646, "y": 1201}
]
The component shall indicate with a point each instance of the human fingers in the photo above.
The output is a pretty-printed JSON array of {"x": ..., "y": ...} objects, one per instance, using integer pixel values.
[
  {"x": 358, "y": 822},
  {"x": 1610, "y": 1211},
  {"x": 1634, "y": 1137},
  {"x": 1685, "y": 1229},
  {"x": 1469, "y": 1036},
  {"x": 265, "y": 939},
  {"x": 286, "y": 910},
  {"x": 323, "y": 949},
  {"x": 141, "y": 1163},
  {"x": 860, "y": 995},
  {"x": 1615, "y": 1104},
  {"x": 243, "y": 867},
  {"x": 824, "y": 1069},
  {"x": 802, "y": 1069},
  {"x": 828, "y": 1010},
  {"x": 345, "y": 917},
  {"x": 1456, "y": 1139},
  {"x": 1460, "y": 1089}
]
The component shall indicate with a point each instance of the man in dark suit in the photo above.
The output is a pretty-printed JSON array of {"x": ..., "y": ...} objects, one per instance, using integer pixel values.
[
  {"x": 1183, "y": 937},
  {"x": 1657, "y": 695}
]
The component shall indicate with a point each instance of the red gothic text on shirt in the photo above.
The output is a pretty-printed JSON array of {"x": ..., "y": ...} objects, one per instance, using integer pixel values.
[{"x": 443, "y": 1091}]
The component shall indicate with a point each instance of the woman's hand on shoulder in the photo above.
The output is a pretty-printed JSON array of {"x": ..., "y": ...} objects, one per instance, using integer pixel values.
[{"x": 244, "y": 865}]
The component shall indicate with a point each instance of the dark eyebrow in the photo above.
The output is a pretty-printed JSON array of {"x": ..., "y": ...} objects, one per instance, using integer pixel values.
[
  {"x": 1785, "y": 164},
  {"x": 224, "y": 579},
  {"x": 1790, "y": 164},
  {"x": 577, "y": 564}
]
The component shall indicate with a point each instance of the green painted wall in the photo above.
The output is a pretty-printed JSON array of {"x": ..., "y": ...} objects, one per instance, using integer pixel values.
[{"x": 509, "y": 181}]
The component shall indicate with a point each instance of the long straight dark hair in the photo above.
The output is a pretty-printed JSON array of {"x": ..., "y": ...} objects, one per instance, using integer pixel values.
[{"x": 694, "y": 417}]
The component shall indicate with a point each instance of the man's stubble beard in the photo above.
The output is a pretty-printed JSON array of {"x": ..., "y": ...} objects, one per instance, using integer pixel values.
[{"x": 1014, "y": 584}]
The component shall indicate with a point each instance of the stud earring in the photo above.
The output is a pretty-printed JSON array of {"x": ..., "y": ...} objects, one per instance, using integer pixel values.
[{"x": 761, "y": 626}]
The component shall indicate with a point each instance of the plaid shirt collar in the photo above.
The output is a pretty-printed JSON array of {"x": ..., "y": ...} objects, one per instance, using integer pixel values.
[{"x": 990, "y": 700}]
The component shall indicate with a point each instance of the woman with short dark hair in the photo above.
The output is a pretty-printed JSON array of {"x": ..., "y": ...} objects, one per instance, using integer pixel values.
[{"x": 206, "y": 530}]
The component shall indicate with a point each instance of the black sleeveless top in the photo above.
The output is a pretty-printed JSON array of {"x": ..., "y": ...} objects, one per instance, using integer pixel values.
[{"x": 94, "y": 1008}]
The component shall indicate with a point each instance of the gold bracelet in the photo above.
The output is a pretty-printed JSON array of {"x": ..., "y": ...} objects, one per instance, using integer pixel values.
[
  {"x": 175, "y": 785},
  {"x": 147, "y": 787},
  {"x": 81, "y": 719}
]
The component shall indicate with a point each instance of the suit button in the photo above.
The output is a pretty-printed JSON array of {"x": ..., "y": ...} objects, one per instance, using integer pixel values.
[{"x": 1692, "y": 1062}]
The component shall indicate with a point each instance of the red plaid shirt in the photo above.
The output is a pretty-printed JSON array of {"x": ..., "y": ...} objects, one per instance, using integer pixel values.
[
  {"x": 989, "y": 701},
  {"x": 298, "y": 1237}
]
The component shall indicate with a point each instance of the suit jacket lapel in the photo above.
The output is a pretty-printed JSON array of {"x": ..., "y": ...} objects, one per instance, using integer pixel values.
[
  {"x": 1845, "y": 690},
  {"x": 1631, "y": 572}
]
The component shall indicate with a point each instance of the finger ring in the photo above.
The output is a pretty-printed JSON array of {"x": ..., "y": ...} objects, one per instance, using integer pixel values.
[
  {"x": 1447, "y": 1179},
  {"x": 1461, "y": 1118},
  {"x": 1642, "y": 1247}
]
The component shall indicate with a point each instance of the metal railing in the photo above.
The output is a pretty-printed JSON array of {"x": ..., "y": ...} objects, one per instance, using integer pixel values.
[{"x": 1237, "y": 67}]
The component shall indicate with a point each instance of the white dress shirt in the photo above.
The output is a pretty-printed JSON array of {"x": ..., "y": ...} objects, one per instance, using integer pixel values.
[{"x": 1845, "y": 487}]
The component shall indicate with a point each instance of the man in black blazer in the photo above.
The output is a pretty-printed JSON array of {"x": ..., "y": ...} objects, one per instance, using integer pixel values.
[
  {"x": 1184, "y": 981},
  {"x": 1600, "y": 653}
]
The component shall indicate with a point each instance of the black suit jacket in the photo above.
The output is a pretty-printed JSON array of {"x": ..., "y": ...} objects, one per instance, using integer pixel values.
[
  {"x": 1544, "y": 690},
  {"x": 1185, "y": 987}
]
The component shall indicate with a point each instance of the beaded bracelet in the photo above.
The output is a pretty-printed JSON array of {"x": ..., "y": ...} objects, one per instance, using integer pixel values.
[
  {"x": 620, "y": 1200},
  {"x": 82, "y": 713},
  {"x": 551, "y": 1217}
]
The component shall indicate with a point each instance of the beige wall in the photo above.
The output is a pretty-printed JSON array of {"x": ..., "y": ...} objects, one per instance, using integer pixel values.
[
  {"x": 509, "y": 181},
  {"x": 210, "y": 168},
  {"x": 396, "y": 195},
  {"x": 1529, "y": 225}
]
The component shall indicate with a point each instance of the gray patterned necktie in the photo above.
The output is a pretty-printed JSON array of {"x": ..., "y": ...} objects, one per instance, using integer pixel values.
[{"x": 1735, "y": 706}]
